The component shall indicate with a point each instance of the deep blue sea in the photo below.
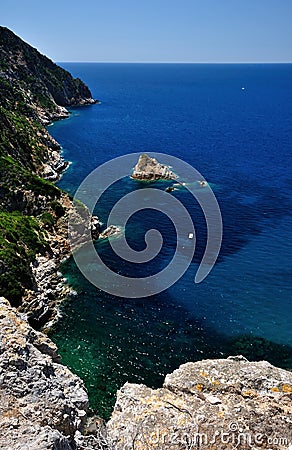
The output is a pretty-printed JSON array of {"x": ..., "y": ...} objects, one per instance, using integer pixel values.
[{"x": 233, "y": 123}]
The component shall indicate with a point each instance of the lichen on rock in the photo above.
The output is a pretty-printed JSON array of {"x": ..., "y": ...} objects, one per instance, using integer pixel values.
[{"x": 212, "y": 404}]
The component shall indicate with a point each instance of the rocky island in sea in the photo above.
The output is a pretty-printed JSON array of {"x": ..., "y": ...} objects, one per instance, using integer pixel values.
[
  {"x": 150, "y": 169},
  {"x": 43, "y": 406}
]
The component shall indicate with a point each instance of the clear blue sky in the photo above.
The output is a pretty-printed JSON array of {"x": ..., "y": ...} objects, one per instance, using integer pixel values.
[{"x": 154, "y": 30}]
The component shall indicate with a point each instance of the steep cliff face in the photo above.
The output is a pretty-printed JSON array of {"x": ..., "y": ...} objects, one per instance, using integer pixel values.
[
  {"x": 34, "y": 91},
  {"x": 43, "y": 405},
  {"x": 45, "y": 85},
  {"x": 33, "y": 211}
]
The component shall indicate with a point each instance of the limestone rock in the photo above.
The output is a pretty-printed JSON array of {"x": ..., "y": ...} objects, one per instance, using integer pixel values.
[
  {"x": 42, "y": 404},
  {"x": 212, "y": 404},
  {"x": 150, "y": 169}
]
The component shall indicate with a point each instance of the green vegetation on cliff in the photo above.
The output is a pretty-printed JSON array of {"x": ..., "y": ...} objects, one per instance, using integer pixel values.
[
  {"x": 21, "y": 132},
  {"x": 21, "y": 238},
  {"x": 48, "y": 83},
  {"x": 14, "y": 176},
  {"x": 32, "y": 90}
]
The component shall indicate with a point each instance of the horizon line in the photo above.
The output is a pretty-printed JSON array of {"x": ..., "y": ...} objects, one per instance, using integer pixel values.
[{"x": 177, "y": 62}]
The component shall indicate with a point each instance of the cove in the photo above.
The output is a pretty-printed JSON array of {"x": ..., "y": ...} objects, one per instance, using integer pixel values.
[{"x": 240, "y": 141}]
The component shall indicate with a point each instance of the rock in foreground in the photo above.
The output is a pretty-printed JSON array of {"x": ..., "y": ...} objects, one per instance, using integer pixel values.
[
  {"x": 150, "y": 169},
  {"x": 42, "y": 404},
  {"x": 212, "y": 404}
]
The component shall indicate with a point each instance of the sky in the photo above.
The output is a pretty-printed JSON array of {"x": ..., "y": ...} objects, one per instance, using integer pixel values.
[{"x": 154, "y": 30}]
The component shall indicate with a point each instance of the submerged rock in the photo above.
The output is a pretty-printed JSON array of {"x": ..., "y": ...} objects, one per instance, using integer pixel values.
[
  {"x": 170, "y": 189},
  {"x": 150, "y": 169},
  {"x": 212, "y": 404}
]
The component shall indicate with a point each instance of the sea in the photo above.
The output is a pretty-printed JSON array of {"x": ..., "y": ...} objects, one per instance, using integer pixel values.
[{"x": 233, "y": 124}]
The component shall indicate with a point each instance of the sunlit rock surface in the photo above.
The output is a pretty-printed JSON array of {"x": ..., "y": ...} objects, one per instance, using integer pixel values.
[{"x": 212, "y": 404}]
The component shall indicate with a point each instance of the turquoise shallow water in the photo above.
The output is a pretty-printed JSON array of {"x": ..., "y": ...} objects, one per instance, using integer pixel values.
[{"x": 240, "y": 140}]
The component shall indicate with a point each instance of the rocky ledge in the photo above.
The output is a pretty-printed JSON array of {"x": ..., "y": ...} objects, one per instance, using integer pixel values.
[
  {"x": 43, "y": 405},
  {"x": 212, "y": 404},
  {"x": 150, "y": 169},
  {"x": 42, "y": 303}
]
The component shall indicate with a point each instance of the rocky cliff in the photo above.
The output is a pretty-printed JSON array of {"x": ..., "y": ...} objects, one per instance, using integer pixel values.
[
  {"x": 42, "y": 404},
  {"x": 46, "y": 86},
  {"x": 34, "y": 91},
  {"x": 33, "y": 211}
]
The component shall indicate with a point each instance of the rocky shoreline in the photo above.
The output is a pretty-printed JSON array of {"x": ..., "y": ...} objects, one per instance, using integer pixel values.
[
  {"x": 34, "y": 212},
  {"x": 42, "y": 303}
]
